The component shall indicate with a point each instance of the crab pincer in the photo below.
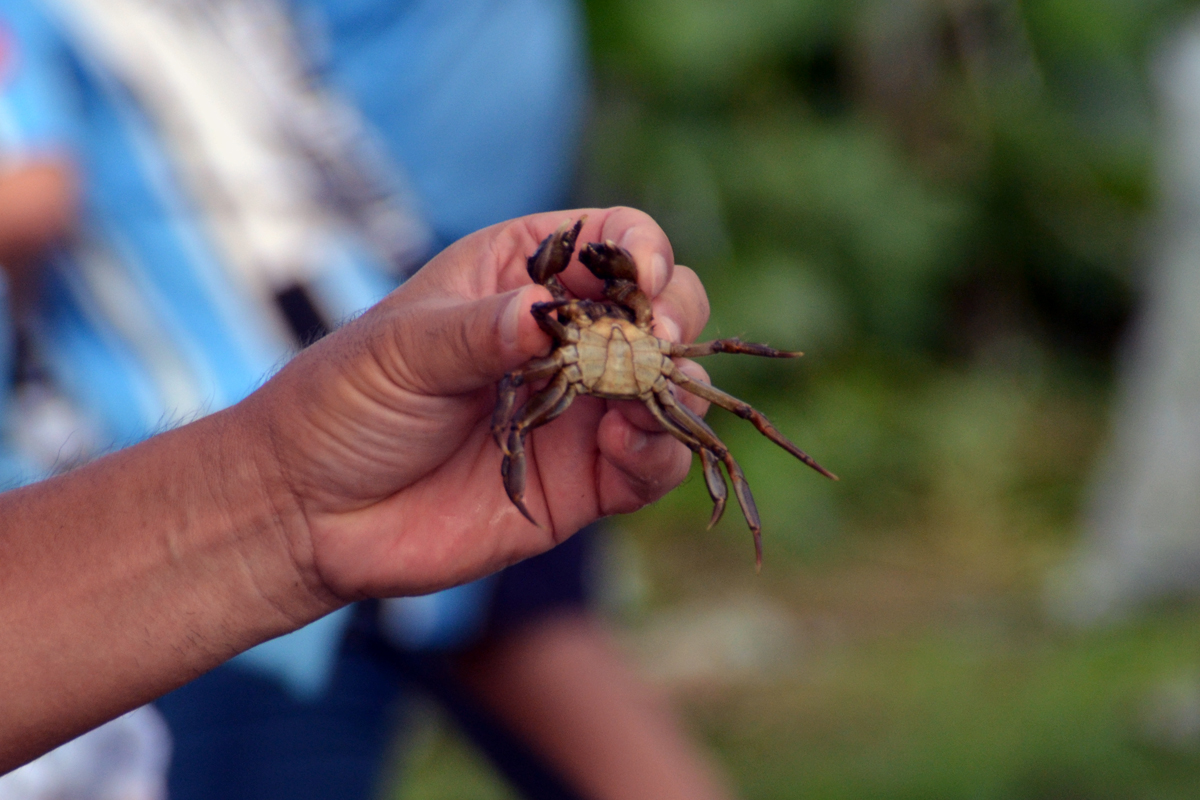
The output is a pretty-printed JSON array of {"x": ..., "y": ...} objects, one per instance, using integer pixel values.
[
  {"x": 615, "y": 266},
  {"x": 553, "y": 256}
]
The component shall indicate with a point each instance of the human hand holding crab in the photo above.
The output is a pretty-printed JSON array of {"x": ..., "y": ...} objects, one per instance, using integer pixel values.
[
  {"x": 365, "y": 467},
  {"x": 405, "y": 471},
  {"x": 368, "y": 466}
]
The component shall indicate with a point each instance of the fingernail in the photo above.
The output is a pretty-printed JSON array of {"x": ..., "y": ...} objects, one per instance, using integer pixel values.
[
  {"x": 636, "y": 440},
  {"x": 671, "y": 328},
  {"x": 658, "y": 273},
  {"x": 510, "y": 317}
]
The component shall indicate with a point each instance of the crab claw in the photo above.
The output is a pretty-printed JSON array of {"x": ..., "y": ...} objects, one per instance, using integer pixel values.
[
  {"x": 554, "y": 253},
  {"x": 609, "y": 262},
  {"x": 615, "y": 266}
]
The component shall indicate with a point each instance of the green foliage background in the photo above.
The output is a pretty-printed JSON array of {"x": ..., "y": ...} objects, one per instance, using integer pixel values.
[
  {"x": 944, "y": 203},
  {"x": 941, "y": 202}
]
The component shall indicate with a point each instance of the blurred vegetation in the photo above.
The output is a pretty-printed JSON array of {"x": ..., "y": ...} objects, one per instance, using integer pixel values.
[
  {"x": 943, "y": 202},
  {"x": 923, "y": 174}
]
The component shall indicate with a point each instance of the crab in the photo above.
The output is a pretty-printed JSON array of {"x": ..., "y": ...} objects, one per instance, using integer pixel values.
[{"x": 606, "y": 349}]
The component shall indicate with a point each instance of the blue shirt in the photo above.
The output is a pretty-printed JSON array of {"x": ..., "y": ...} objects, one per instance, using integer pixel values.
[
  {"x": 141, "y": 326},
  {"x": 139, "y": 322},
  {"x": 482, "y": 102}
]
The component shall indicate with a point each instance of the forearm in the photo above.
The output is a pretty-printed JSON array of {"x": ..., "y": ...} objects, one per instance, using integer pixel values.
[{"x": 126, "y": 578}]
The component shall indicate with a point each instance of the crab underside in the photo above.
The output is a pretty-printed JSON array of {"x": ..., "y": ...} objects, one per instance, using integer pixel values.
[{"x": 606, "y": 349}]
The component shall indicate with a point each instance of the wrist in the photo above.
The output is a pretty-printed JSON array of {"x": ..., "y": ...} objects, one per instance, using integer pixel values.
[{"x": 266, "y": 520}]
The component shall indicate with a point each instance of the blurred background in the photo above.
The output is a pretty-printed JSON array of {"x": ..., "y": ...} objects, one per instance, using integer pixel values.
[
  {"x": 955, "y": 208},
  {"x": 980, "y": 219}
]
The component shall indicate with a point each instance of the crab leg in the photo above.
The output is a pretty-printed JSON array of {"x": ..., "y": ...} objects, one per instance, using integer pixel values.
[
  {"x": 734, "y": 345},
  {"x": 697, "y": 427},
  {"x": 718, "y": 490},
  {"x": 745, "y": 411},
  {"x": 548, "y": 321},
  {"x": 506, "y": 392},
  {"x": 540, "y": 409}
]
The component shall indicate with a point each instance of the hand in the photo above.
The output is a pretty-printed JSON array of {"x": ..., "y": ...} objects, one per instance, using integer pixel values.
[
  {"x": 381, "y": 435},
  {"x": 365, "y": 468}
]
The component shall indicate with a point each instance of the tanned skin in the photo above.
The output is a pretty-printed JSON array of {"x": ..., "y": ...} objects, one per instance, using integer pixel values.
[{"x": 365, "y": 468}]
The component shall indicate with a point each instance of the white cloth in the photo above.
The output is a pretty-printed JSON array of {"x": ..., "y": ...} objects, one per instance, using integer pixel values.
[
  {"x": 272, "y": 160},
  {"x": 125, "y": 759}
]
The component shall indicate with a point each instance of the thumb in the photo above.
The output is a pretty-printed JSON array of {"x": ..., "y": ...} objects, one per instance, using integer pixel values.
[{"x": 451, "y": 346}]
